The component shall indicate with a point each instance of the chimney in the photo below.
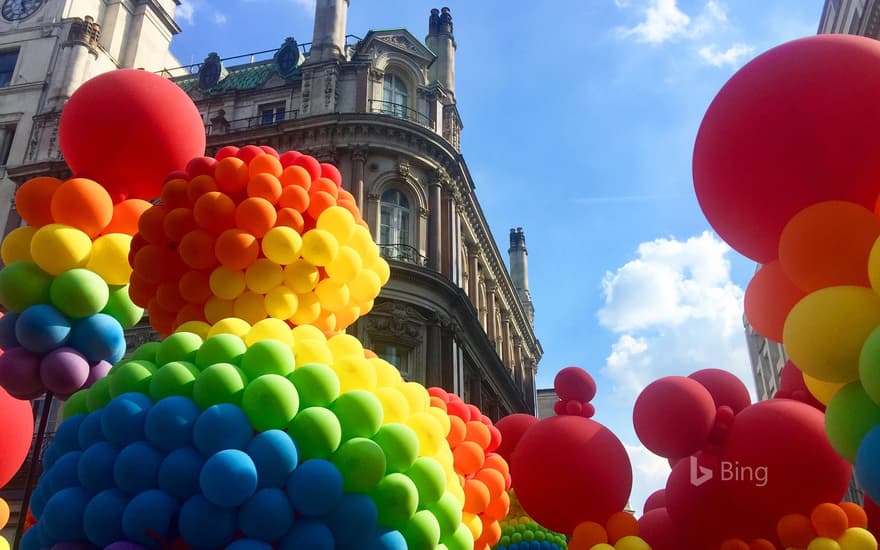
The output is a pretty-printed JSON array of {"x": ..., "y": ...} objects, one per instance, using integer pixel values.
[
  {"x": 328, "y": 39},
  {"x": 441, "y": 41},
  {"x": 519, "y": 270}
]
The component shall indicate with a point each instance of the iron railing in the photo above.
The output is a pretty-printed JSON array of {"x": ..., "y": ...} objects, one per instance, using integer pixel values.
[
  {"x": 402, "y": 253},
  {"x": 401, "y": 111},
  {"x": 243, "y": 124}
]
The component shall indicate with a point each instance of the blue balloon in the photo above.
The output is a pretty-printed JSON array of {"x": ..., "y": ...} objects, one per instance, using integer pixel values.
[
  {"x": 275, "y": 456},
  {"x": 204, "y": 525},
  {"x": 67, "y": 435},
  {"x": 148, "y": 518},
  {"x": 31, "y": 540},
  {"x": 315, "y": 488},
  {"x": 94, "y": 466},
  {"x": 387, "y": 540},
  {"x": 353, "y": 520},
  {"x": 308, "y": 533},
  {"x": 63, "y": 514},
  {"x": 228, "y": 478},
  {"x": 102, "y": 520},
  {"x": 249, "y": 544},
  {"x": 868, "y": 464},
  {"x": 123, "y": 421},
  {"x": 169, "y": 424},
  {"x": 223, "y": 426},
  {"x": 7, "y": 331},
  {"x": 51, "y": 455},
  {"x": 98, "y": 337},
  {"x": 42, "y": 328},
  {"x": 63, "y": 473},
  {"x": 179, "y": 473},
  {"x": 266, "y": 516},
  {"x": 137, "y": 468},
  {"x": 90, "y": 431},
  {"x": 38, "y": 501}
]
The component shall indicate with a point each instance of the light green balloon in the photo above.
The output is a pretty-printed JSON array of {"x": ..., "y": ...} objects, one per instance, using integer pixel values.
[
  {"x": 430, "y": 479},
  {"x": 219, "y": 383},
  {"x": 221, "y": 348},
  {"x": 396, "y": 499},
  {"x": 133, "y": 375},
  {"x": 99, "y": 394},
  {"x": 422, "y": 532},
  {"x": 180, "y": 346},
  {"x": 360, "y": 413},
  {"x": 76, "y": 404},
  {"x": 462, "y": 539},
  {"x": 869, "y": 365},
  {"x": 120, "y": 307},
  {"x": 361, "y": 463},
  {"x": 400, "y": 444},
  {"x": 146, "y": 351},
  {"x": 79, "y": 293},
  {"x": 267, "y": 357},
  {"x": 316, "y": 432},
  {"x": 849, "y": 416},
  {"x": 174, "y": 378},
  {"x": 447, "y": 510},
  {"x": 23, "y": 284},
  {"x": 317, "y": 384},
  {"x": 270, "y": 402}
]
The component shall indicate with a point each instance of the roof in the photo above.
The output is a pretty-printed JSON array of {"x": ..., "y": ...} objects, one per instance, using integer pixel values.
[{"x": 240, "y": 77}]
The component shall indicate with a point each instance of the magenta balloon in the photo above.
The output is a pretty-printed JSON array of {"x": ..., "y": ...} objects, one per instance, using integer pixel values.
[
  {"x": 64, "y": 371},
  {"x": 725, "y": 388},
  {"x": 657, "y": 499},
  {"x": 20, "y": 373},
  {"x": 574, "y": 384},
  {"x": 96, "y": 372},
  {"x": 673, "y": 416}
]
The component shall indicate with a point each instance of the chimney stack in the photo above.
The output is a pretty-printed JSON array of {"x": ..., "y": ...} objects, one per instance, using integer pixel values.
[
  {"x": 519, "y": 270},
  {"x": 328, "y": 39},
  {"x": 441, "y": 41}
]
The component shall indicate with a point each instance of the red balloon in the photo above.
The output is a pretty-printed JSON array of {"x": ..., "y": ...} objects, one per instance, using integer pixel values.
[
  {"x": 310, "y": 163},
  {"x": 792, "y": 386},
  {"x": 200, "y": 166},
  {"x": 16, "y": 430},
  {"x": 873, "y": 513},
  {"x": 569, "y": 469},
  {"x": 768, "y": 300},
  {"x": 574, "y": 384},
  {"x": 127, "y": 129},
  {"x": 657, "y": 499},
  {"x": 673, "y": 416},
  {"x": 332, "y": 173},
  {"x": 657, "y": 529},
  {"x": 789, "y": 129},
  {"x": 512, "y": 428},
  {"x": 725, "y": 388}
]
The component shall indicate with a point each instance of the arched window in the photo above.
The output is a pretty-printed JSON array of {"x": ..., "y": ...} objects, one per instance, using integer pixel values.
[
  {"x": 394, "y": 222},
  {"x": 395, "y": 95}
]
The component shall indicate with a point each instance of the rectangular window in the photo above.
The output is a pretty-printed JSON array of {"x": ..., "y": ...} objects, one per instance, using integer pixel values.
[
  {"x": 394, "y": 354},
  {"x": 7, "y": 133},
  {"x": 272, "y": 113},
  {"x": 8, "y": 60}
]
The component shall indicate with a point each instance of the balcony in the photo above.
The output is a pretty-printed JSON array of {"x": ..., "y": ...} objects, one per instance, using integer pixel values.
[
  {"x": 220, "y": 127},
  {"x": 402, "y": 111},
  {"x": 402, "y": 253}
]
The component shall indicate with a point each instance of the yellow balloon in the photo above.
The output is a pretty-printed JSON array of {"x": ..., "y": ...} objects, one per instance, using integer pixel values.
[
  {"x": 856, "y": 538},
  {"x": 824, "y": 332},
  {"x": 110, "y": 258},
  {"x": 338, "y": 221},
  {"x": 263, "y": 275},
  {"x": 308, "y": 309},
  {"x": 281, "y": 245},
  {"x": 226, "y": 283},
  {"x": 16, "y": 246},
  {"x": 311, "y": 351},
  {"x": 269, "y": 329},
  {"x": 382, "y": 269},
  {"x": 200, "y": 328},
  {"x": 332, "y": 294},
  {"x": 346, "y": 316},
  {"x": 57, "y": 248},
  {"x": 366, "y": 307},
  {"x": 429, "y": 432},
  {"x": 417, "y": 395},
  {"x": 394, "y": 404},
  {"x": 631, "y": 542},
  {"x": 230, "y": 325},
  {"x": 354, "y": 373},
  {"x": 4, "y": 513},
  {"x": 250, "y": 306},
  {"x": 345, "y": 345},
  {"x": 301, "y": 276},
  {"x": 823, "y": 543},
  {"x": 387, "y": 374},
  {"x": 217, "y": 308},
  {"x": 821, "y": 390},
  {"x": 281, "y": 302},
  {"x": 319, "y": 247},
  {"x": 362, "y": 242},
  {"x": 442, "y": 418},
  {"x": 365, "y": 286},
  {"x": 602, "y": 546},
  {"x": 302, "y": 333},
  {"x": 4, "y": 544},
  {"x": 346, "y": 265},
  {"x": 473, "y": 523}
]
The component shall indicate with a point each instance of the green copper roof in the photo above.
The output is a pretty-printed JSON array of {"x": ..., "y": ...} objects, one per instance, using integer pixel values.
[{"x": 240, "y": 77}]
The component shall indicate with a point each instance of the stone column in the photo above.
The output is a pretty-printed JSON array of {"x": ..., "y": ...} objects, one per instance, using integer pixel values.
[
  {"x": 517, "y": 353},
  {"x": 473, "y": 275},
  {"x": 373, "y": 214},
  {"x": 358, "y": 159},
  {"x": 490, "y": 318},
  {"x": 434, "y": 224},
  {"x": 505, "y": 338}
]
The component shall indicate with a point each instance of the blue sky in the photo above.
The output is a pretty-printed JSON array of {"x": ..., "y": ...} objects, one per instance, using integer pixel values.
[{"x": 579, "y": 123}]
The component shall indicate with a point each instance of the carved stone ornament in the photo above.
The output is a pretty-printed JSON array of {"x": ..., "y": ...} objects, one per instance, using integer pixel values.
[
  {"x": 395, "y": 321},
  {"x": 398, "y": 41}
]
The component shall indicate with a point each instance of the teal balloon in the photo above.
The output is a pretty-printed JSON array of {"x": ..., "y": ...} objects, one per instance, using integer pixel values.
[
  {"x": 360, "y": 413},
  {"x": 174, "y": 378},
  {"x": 79, "y": 293},
  {"x": 146, "y": 351},
  {"x": 131, "y": 376},
  {"x": 400, "y": 444},
  {"x": 361, "y": 463},
  {"x": 267, "y": 357},
  {"x": 422, "y": 532},
  {"x": 396, "y": 498},
  {"x": 869, "y": 365},
  {"x": 180, "y": 346},
  {"x": 317, "y": 384},
  {"x": 219, "y": 383},
  {"x": 220, "y": 348},
  {"x": 120, "y": 307},
  {"x": 316, "y": 432},
  {"x": 447, "y": 510},
  {"x": 429, "y": 477},
  {"x": 23, "y": 284},
  {"x": 270, "y": 401},
  {"x": 850, "y": 415}
]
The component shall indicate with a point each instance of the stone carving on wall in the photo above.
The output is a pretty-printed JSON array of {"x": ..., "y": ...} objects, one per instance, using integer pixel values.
[
  {"x": 396, "y": 321},
  {"x": 398, "y": 41}
]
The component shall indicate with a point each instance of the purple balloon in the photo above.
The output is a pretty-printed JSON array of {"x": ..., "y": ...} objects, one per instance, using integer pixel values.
[
  {"x": 64, "y": 371},
  {"x": 78, "y": 545},
  {"x": 99, "y": 370},
  {"x": 124, "y": 545},
  {"x": 20, "y": 373}
]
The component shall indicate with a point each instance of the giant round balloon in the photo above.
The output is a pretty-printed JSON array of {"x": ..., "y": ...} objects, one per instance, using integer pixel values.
[
  {"x": 127, "y": 129},
  {"x": 795, "y": 126},
  {"x": 16, "y": 430}
]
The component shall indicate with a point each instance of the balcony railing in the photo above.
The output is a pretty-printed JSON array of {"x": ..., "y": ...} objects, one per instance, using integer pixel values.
[
  {"x": 401, "y": 111},
  {"x": 243, "y": 124},
  {"x": 402, "y": 253}
]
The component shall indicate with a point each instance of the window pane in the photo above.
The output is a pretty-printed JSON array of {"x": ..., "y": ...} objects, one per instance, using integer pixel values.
[{"x": 7, "y": 67}]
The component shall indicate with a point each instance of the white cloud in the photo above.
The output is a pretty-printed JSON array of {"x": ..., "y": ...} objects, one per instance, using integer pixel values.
[
  {"x": 649, "y": 474},
  {"x": 663, "y": 21},
  {"x": 219, "y": 18},
  {"x": 306, "y": 4},
  {"x": 185, "y": 11},
  {"x": 731, "y": 56}
]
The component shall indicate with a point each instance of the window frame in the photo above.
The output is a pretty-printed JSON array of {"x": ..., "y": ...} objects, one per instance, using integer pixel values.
[{"x": 16, "y": 52}]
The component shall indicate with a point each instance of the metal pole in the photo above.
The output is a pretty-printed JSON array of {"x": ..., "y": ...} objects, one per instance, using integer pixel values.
[{"x": 32, "y": 470}]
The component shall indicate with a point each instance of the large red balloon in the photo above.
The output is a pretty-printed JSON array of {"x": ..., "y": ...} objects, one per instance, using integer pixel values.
[
  {"x": 673, "y": 416},
  {"x": 512, "y": 428},
  {"x": 792, "y": 386},
  {"x": 873, "y": 513},
  {"x": 726, "y": 389},
  {"x": 570, "y": 469},
  {"x": 795, "y": 126},
  {"x": 16, "y": 430},
  {"x": 127, "y": 129}
]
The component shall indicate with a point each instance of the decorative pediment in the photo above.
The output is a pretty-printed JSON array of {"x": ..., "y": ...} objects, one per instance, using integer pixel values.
[{"x": 399, "y": 40}]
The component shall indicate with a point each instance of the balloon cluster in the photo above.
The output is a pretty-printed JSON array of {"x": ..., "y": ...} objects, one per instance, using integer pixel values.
[
  {"x": 737, "y": 467},
  {"x": 251, "y": 234},
  {"x": 65, "y": 286},
  {"x": 620, "y": 532},
  {"x": 523, "y": 533}
]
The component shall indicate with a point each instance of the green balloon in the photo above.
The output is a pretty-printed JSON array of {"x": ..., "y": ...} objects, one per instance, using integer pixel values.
[
  {"x": 396, "y": 499},
  {"x": 869, "y": 365},
  {"x": 447, "y": 510},
  {"x": 316, "y": 432},
  {"x": 219, "y": 383},
  {"x": 79, "y": 293},
  {"x": 267, "y": 357},
  {"x": 180, "y": 346},
  {"x": 23, "y": 284},
  {"x": 360, "y": 413},
  {"x": 400, "y": 444},
  {"x": 361, "y": 463},
  {"x": 529, "y": 536},
  {"x": 120, "y": 307},
  {"x": 99, "y": 394},
  {"x": 76, "y": 404},
  {"x": 146, "y": 351},
  {"x": 850, "y": 415},
  {"x": 422, "y": 532},
  {"x": 270, "y": 402},
  {"x": 317, "y": 384},
  {"x": 462, "y": 539},
  {"x": 221, "y": 348},
  {"x": 133, "y": 375},
  {"x": 174, "y": 378},
  {"x": 430, "y": 479}
]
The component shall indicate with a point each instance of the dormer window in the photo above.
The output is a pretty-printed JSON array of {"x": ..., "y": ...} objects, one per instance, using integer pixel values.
[{"x": 395, "y": 95}]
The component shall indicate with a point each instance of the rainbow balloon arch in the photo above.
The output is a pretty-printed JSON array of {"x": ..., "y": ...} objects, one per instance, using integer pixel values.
[{"x": 258, "y": 423}]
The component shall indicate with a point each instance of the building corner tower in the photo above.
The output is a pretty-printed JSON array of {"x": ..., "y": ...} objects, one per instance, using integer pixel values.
[{"x": 519, "y": 270}]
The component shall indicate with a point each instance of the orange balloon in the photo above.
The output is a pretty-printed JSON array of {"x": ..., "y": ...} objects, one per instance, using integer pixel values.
[
  {"x": 828, "y": 244},
  {"x": 151, "y": 263},
  {"x": 196, "y": 249},
  {"x": 498, "y": 507},
  {"x": 438, "y": 403},
  {"x": 468, "y": 457},
  {"x": 294, "y": 196},
  {"x": 200, "y": 185},
  {"x": 214, "y": 211},
  {"x": 491, "y": 532},
  {"x": 769, "y": 298},
  {"x": 829, "y": 520},
  {"x": 351, "y": 206},
  {"x": 194, "y": 287},
  {"x": 83, "y": 204},
  {"x": 33, "y": 200},
  {"x": 290, "y": 217},
  {"x": 457, "y": 431},
  {"x": 478, "y": 433},
  {"x": 795, "y": 530},
  {"x": 189, "y": 312},
  {"x": 318, "y": 202},
  {"x": 168, "y": 296},
  {"x": 588, "y": 534},
  {"x": 855, "y": 514},
  {"x": 296, "y": 175},
  {"x": 161, "y": 319},
  {"x": 265, "y": 164},
  {"x": 175, "y": 193},
  {"x": 140, "y": 291},
  {"x": 326, "y": 185},
  {"x": 621, "y": 524},
  {"x": 178, "y": 223},
  {"x": 236, "y": 249},
  {"x": 231, "y": 175},
  {"x": 494, "y": 481},
  {"x": 497, "y": 462},
  {"x": 734, "y": 544},
  {"x": 265, "y": 186},
  {"x": 151, "y": 224},
  {"x": 126, "y": 215},
  {"x": 217, "y": 309},
  {"x": 4, "y": 513},
  {"x": 256, "y": 215},
  {"x": 476, "y": 496}
]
